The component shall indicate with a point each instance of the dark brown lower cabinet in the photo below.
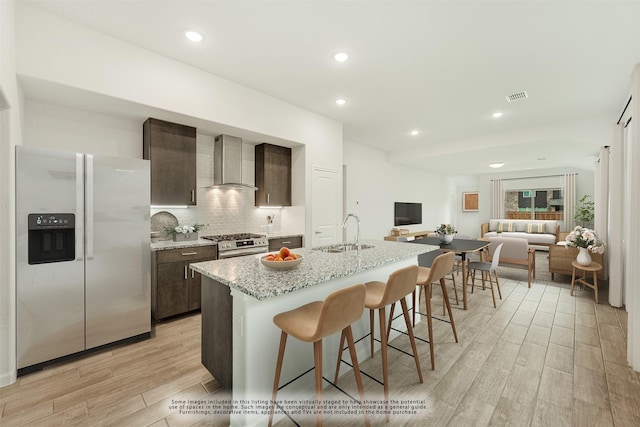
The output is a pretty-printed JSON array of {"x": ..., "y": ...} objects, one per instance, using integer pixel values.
[
  {"x": 175, "y": 287},
  {"x": 195, "y": 285},
  {"x": 291, "y": 242},
  {"x": 217, "y": 331}
]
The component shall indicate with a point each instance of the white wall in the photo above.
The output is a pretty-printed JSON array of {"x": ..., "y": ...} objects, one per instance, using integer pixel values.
[
  {"x": 467, "y": 223},
  {"x": 63, "y": 128},
  {"x": 10, "y": 136},
  {"x": 76, "y": 57},
  {"x": 584, "y": 184},
  {"x": 373, "y": 185}
]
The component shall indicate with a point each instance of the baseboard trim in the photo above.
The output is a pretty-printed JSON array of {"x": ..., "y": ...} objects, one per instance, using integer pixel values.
[{"x": 8, "y": 378}]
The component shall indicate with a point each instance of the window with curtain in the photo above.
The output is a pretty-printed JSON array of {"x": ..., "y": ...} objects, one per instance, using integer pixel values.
[{"x": 542, "y": 203}]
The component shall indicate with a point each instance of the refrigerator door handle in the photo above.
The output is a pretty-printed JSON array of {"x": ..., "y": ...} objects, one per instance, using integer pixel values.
[
  {"x": 79, "y": 207},
  {"x": 89, "y": 208}
]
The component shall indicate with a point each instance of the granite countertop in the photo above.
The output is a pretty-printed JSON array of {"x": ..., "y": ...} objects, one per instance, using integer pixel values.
[
  {"x": 161, "y": 245},
  {"x": 249, "y": 276},
  {"x": 170, "y": 244}
]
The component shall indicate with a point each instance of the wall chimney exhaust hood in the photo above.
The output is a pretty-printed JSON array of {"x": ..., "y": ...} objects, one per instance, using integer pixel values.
[{"x": 227, "y": 163}]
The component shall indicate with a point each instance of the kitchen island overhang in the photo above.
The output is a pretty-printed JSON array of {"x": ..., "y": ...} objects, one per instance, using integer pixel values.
[{"x": 240, "y": 296}]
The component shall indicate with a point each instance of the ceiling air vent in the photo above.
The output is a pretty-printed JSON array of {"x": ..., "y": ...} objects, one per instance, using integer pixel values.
[{"x": 516, "y": 96}]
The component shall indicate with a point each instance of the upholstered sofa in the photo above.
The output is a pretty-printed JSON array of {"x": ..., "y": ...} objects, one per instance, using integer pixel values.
[{"x": 537, "y": 232}]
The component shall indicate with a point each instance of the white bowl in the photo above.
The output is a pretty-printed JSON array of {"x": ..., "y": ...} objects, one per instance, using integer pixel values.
[{"x": 281, "y": 265}]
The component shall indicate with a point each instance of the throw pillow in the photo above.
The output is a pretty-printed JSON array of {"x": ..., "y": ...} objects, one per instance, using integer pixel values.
[
  {"x": 536, "y": 228},
  {"x": 505, "y": 226}
]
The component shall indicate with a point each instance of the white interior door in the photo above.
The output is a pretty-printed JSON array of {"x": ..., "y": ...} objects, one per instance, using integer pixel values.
[{"x": 325, "y": 207}]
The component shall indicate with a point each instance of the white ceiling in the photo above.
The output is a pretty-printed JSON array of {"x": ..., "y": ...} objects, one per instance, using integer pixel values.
[{"x": 439, "y": 67}]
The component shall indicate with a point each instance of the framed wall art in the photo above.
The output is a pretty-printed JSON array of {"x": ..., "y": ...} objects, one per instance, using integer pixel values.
[{"x": 470, "y": 202}]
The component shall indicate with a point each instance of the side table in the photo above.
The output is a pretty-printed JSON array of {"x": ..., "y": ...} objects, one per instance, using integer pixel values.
[{"x": 593, "y": 268}]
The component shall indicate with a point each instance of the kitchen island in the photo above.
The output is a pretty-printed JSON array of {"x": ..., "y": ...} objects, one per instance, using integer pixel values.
[{"x": 240, "y": 296}]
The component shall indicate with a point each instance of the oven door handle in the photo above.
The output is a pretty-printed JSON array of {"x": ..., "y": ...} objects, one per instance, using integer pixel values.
[{"x": 242, "y": 252}]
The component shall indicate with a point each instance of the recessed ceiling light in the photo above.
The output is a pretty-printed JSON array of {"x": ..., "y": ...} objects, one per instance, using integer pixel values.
[
  {"x": 496, "y": 165},
  {"x": 193, "y": 36},
  {"x": 341, "y": 101},
  {"x": 497, "y": 114},
  {"x": 414, "y": 132},
  {"x": 341, "y": 56}
]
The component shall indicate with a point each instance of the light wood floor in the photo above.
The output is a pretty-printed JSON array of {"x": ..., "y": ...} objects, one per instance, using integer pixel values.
[{"x": 542, "y": 358}]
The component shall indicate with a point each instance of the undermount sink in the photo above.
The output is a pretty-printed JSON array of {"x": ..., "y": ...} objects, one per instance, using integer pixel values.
[{"x": 344, "y": 247}]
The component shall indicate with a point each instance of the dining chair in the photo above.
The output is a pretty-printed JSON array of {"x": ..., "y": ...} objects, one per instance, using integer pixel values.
[
  {"x": 515, "y": 253},
  {"x": 458, "y": 258},
  {"x": 490, "y": 269}
]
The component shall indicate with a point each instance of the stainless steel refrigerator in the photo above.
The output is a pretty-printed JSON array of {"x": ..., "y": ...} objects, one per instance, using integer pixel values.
[{"x": 82, "y": 252}]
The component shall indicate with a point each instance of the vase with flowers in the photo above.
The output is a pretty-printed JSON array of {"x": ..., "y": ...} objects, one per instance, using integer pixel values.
[
  {"x": 183, "y": 233},
  {"x": 586, "y": 241},
  {"x": 446, "y": 232}
]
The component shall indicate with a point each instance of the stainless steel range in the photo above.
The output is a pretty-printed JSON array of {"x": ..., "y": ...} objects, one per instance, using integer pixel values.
[{"x": 233, "y": 245}]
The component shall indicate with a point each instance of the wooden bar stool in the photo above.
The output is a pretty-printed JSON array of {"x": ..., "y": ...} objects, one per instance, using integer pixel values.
[
  {"x": 426, "y": 260},
  {"x": 379, "y": 294},
  {"x": 316, "y": 320},
  {"x": 593, "y": 268},
  {"x": 441, "y": 266}
]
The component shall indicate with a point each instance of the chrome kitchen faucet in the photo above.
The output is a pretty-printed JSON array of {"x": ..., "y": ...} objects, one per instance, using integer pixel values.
[{"x": 344, "y": 226}]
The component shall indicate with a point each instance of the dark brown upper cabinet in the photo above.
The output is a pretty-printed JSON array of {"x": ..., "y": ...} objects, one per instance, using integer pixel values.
[
  {"x": 273, "y": 175},
  {"x": 171, "y": 147}
]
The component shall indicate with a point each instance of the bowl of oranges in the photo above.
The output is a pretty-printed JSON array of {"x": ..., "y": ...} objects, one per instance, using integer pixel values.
[{"x": 281, "y": 260}]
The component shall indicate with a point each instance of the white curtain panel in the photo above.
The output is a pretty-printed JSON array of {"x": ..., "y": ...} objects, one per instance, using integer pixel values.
[
  {"x": 601, "y": 199},
  {"x": 630, "y": 250},
  {"x": 614, "y": 250},
  {"x": 632, "y": 232},
  {"x": 569, "y": 200},
  {"x": 627, "y": 194},
  {"x": 497, "y": 199}
]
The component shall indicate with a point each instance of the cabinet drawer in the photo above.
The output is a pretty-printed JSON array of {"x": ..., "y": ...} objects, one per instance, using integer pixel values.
[
  {"x": 290, "y": 242},
  {"x": 188, "y": 254}
]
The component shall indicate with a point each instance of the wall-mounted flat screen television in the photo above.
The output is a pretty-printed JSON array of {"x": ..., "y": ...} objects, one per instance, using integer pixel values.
[{"x": 407, "y": 213}]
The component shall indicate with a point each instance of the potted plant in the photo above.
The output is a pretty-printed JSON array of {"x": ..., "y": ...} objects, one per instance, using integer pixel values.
[
  {"x": 183, "y": 233},
  {"x": 446, "y": 233},
  {"x": 585, "y": 240},
  {"x": 584, "y": 212}
]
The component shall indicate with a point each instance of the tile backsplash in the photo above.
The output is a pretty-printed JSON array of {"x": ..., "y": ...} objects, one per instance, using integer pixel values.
[{"x": 226, "y": 210}]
